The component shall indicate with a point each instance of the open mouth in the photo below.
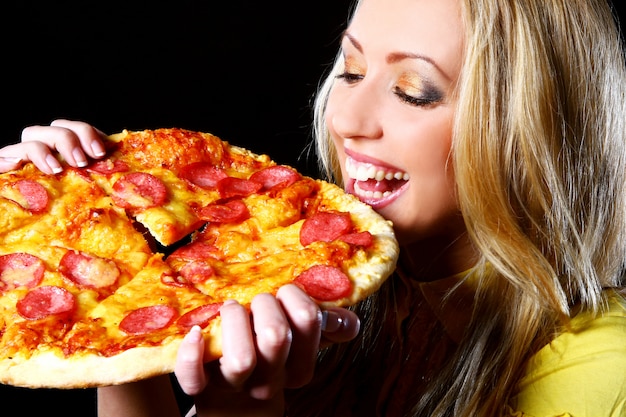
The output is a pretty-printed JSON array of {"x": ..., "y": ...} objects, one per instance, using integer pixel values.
[{"x": 374, "y": 185}]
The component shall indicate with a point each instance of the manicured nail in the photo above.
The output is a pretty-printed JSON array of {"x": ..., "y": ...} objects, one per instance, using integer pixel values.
[
  {"x": 54, "y": 165},
  {"x": 10, "y": 162},
  {"x": 97, "y": 149},
  {"x": 79, "y": 157}
]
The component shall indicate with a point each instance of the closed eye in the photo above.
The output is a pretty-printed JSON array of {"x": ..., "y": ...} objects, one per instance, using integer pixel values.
[
  {"x": 350, "y": 78},
  {"x": 429, "y": 97}
]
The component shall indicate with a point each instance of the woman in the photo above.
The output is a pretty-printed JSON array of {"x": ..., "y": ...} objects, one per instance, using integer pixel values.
[
  {"x": 502, "y": 124},
  {"x": 537, "y": 143}
]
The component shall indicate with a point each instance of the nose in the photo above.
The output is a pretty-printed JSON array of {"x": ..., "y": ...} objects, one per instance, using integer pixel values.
[{"x": 354, "y": 111}]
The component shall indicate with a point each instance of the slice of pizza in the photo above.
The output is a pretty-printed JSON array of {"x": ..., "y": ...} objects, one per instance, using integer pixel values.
[
  {"x": 63, "y": 249},
  {"x": 161, "y": 177}
]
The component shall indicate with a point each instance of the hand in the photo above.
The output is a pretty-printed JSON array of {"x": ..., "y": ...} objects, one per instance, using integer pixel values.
[
  {"x": 273, "y": 348},
  {"x": 74, "y": 141}
]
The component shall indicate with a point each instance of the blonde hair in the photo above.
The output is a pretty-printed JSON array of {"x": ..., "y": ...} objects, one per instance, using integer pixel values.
[
  {"x": 540, "y": 163},
  {"x": 540, "y": 146}
]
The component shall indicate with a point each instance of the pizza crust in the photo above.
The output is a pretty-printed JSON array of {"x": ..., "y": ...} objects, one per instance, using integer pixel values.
[{"x": 50, "y": 368}]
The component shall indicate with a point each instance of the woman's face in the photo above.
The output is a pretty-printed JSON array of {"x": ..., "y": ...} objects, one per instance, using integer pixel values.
[{"x": 391, "y": 110}]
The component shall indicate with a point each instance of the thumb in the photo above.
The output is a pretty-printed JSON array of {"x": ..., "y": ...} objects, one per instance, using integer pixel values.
[
  {"x": 189, "y": 368},
  {"x": 339, "y": 325}
]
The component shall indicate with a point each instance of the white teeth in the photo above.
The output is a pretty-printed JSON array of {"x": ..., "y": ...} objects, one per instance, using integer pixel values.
[
  {"x": 363, "y": 172},
  {"x": 370, "y": 194}
]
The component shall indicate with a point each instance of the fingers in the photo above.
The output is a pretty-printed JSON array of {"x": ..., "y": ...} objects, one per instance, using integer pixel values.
[
  {"x": 189, "y": 367},
  {"x": 8, "y": 162},
  {"x": 75, "y": 142},
  {"x": 273, "y": 337},
  {"x": 236, "y": 379},
  {"x": 305, "y": 318},
  {"x": 90, "y": 138},
  {"x": 38, "y": 153},
  {"x": 265, "y": 349},
  {"x": 239, "y": 357}
]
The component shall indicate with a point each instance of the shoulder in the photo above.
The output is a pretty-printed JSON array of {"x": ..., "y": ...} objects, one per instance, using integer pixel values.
[{"x": 582, "y": 371}]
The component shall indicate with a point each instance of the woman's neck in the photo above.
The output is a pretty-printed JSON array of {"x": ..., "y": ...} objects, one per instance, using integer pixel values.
[{"x": 438, "y": 257}]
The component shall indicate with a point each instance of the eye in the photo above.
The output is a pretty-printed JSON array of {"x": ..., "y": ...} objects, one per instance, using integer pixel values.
[
  {"x": 428, "y": 97},
  {"x": 349, "y": 77}
]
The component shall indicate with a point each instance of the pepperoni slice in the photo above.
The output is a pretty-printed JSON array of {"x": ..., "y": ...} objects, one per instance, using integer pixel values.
[
  {"x": 89, "y": 271},
  {"x": 196, "y": 272},
  {"x": 174, "y": 280},
  {"x": 200, "y": 316},
  {"x": 35, "y": 195},
  {"x": 20, "y": 270},
  {"x": 45, "y": 301},
  {"x": 203, "y": 174},
  {"x": 237, "y": 187},
  {"x": 276, "y": 177},
  {"x": 233, "y": 211},
  {"x": 324, "y": 227},
  {"x": 148, "y": 319},
  {"x": 139, "y": 190},
  {"x": 325, "y": 283},
  {"x": 364, "y": 239},
  {"x": 108, "y": 166}
]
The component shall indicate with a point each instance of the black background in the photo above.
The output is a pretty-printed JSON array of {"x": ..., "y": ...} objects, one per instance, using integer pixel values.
[{"x": 244, "y": 70}]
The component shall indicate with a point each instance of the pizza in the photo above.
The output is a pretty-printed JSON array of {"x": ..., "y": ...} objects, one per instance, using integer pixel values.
[{"x": 104, "y": 269}]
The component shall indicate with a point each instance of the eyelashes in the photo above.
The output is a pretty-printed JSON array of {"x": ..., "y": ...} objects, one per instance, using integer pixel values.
[
  {"x": 349, "y": 77},
  {"x": 429, "y": 94}
]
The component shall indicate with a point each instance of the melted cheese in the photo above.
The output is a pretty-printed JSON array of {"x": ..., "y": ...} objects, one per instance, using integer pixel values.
[{"x": 259, "y": 254}]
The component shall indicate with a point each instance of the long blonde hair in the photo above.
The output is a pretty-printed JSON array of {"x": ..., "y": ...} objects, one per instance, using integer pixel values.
[{"x": 539, "y": 154}]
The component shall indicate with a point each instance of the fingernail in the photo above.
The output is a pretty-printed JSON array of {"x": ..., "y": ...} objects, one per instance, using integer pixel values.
[
  {"x": 194, "y": 335},
  {"x": 10, "y": 159},
  {"x": 97, "y": 148},
  {"x": 54, "y": 165},
  {"x": 331, "y": 321},
  {"x": 79, "y": 157}
]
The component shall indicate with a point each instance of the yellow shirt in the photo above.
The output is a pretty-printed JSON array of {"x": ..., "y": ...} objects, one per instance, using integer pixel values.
[{"x": 581, "y": 373}]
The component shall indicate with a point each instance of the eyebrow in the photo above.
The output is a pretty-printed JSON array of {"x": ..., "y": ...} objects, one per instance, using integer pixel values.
[{"x": 399, "y": 56}]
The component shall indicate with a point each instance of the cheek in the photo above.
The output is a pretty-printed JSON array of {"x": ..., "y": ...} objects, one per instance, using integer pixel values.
[
  {"x": 337, "y": 141},
  {"x": 329, "y": 116},
  {"x": 425, "y": 151},
  {"x": 341, "y": 157},
  {"x": 430, "y": 204}
]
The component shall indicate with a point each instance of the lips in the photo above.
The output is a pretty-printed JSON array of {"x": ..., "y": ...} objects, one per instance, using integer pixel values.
[{"x": 374, "y": 184}]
